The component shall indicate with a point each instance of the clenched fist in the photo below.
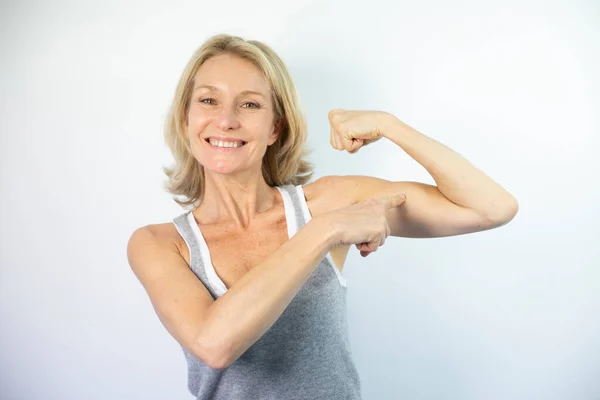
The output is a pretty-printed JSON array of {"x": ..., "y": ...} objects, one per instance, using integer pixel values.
[{"x": 350, "y": 130}]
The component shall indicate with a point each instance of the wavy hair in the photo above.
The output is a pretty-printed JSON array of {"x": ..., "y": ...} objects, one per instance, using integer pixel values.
[{"x": 284, "y": 161}]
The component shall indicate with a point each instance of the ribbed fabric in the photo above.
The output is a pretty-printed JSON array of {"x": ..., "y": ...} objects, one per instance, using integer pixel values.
[{"x": 305, "y": 355}]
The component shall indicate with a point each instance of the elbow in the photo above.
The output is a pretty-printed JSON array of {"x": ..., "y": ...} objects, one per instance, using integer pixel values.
[
  {"x": 503, "y": 214},
  {"x": 212, "y": 355},
  {"x": 219, "y": 362}
]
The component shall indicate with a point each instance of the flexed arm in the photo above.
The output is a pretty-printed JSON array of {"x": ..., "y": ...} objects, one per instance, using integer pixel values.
[{"x": 465, "y": 199}]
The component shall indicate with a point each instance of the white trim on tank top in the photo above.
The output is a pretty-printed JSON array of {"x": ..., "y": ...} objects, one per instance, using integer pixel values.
[{"x": 211, "y": 274}]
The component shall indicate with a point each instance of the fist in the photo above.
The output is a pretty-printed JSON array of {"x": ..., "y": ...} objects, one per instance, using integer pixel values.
[{"x": 350, "y": 130}]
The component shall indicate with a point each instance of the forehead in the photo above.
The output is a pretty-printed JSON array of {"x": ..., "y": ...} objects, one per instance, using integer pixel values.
[{"x": 227, "y": 72}]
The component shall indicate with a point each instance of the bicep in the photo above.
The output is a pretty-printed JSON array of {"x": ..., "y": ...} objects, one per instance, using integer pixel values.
[
  {"x": 427, "y": 213},
  {"x": 179, "y": 298}
]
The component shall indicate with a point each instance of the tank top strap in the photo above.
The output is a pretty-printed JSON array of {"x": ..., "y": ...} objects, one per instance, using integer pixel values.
[
  {"x": 297, "y": 202},
  {"x": 293, "y": 214},
  {"x": 183, "y": 224}
]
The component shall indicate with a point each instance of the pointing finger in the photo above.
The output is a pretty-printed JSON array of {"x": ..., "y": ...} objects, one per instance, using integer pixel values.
[{"x": 394, "y": 201}]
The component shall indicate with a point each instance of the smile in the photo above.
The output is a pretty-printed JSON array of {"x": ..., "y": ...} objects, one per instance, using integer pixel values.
[{"x": 225, "y": 144}]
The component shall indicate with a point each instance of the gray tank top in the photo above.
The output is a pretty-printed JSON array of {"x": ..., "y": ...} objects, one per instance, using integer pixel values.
[{"x": 305, "y": 354}]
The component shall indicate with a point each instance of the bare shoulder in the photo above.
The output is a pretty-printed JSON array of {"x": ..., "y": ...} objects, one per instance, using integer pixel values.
[
  {"x": 163, "y": 235},
  {"x": 149, "y": 238}
]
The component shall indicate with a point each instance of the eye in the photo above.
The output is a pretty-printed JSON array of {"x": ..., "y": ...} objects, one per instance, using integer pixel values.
[
  {"x": 252, "y": 105},
  {"x": 206, "y": 101}
]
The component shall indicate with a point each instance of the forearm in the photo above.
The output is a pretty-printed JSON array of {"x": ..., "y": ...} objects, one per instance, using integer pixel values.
[
  {"x": 456, "y": 178},
  {"x": 251, "y": 306}
]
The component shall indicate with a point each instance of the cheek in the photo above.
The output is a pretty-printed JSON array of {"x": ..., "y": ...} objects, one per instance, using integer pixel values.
[
  {"x": 261, "y": 127},
  {"x": 196, "y": 123}
]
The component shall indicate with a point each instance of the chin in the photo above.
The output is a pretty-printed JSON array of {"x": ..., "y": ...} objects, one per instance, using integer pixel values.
[{"x": 221, "y": 168}]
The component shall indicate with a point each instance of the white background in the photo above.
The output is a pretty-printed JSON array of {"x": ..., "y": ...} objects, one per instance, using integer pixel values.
[{"x": 508, "y": 314}]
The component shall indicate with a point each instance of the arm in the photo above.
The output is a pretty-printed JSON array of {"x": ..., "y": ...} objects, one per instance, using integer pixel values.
[
  {"x": 426, "y": 213},
  {"x": 218, "y": 332},
  {"x": 465, "y": 199}
]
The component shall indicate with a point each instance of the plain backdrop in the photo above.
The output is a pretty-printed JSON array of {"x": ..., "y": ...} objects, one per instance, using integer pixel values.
[{"x": 513, "y": 86}]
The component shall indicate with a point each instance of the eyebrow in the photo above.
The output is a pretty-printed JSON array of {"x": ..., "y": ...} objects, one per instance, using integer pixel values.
[{"x": 211, "y": 87}]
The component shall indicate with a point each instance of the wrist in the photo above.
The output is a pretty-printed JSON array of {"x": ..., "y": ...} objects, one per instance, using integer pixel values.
[
  {"x": 325, "y": 227},
  {"x": 392, "y": 126}
]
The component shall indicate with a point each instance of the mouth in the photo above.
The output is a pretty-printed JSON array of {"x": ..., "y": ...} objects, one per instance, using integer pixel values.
[{"x": 225, "y": 144}]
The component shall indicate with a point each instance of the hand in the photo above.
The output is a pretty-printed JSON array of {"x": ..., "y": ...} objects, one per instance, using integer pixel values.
[
  {"x": 350, "y": 130},
  {"x": 363, "y": 224}
]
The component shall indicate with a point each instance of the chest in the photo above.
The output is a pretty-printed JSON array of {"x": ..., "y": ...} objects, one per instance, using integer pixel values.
[{"x": 233, "y": 255}]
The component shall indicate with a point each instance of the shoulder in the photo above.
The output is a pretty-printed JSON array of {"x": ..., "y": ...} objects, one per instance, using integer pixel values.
[{"x": 159, "y": 236}]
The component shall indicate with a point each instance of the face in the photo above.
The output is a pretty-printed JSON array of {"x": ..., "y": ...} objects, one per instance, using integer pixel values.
[{"x": 230, "y": 119}]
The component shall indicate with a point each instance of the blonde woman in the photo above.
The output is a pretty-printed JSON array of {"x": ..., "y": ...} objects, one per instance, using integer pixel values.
[{"x": 249, "y": 280}]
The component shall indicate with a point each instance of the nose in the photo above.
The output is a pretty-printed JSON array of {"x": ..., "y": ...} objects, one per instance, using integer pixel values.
[{"x": 227, "y": 119}]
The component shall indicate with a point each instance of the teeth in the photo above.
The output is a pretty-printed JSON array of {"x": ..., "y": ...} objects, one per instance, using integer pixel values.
[{"x": 218, "y": 143}]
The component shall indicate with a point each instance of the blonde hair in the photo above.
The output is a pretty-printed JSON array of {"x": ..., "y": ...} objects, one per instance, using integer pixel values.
[{"x": 284, "y": 161}]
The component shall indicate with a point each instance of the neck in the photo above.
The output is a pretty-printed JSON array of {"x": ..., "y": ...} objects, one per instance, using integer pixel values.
[{"x": 234, "y": 200}]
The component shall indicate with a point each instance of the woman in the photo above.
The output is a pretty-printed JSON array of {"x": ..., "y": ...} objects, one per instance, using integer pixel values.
[{"x": 249, "y": 280}]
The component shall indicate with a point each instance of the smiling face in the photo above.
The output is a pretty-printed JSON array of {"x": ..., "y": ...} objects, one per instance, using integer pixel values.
[{"x": 230, "y": 119}]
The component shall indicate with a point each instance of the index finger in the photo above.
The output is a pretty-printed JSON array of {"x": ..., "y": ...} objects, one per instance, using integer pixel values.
[{"x": 394, "y": 201}]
